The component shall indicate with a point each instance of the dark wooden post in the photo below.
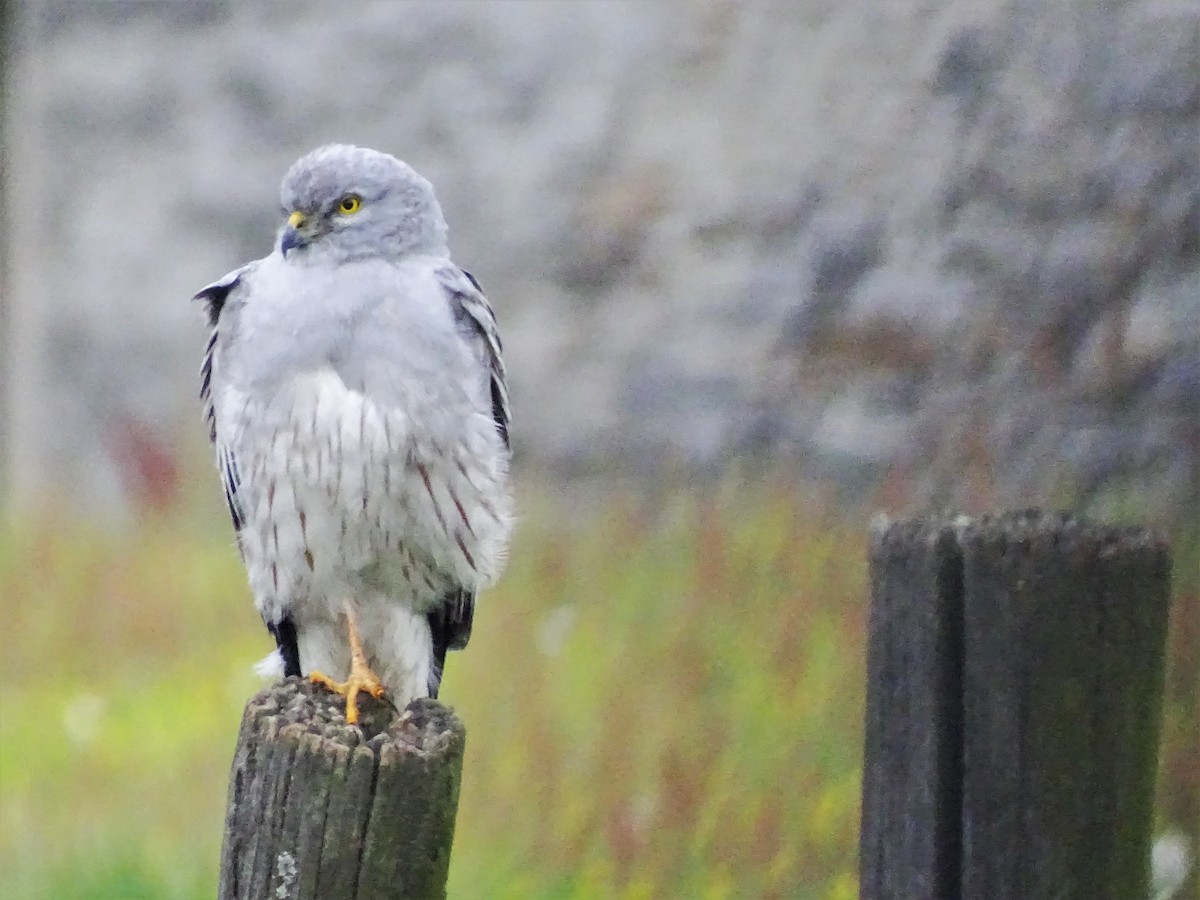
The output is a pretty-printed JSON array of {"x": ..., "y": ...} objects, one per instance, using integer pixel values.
[
  {"x": 319, "y": 810},
  {"x": 1015, "y": 672},
  {"x": 913, "y": 730}
]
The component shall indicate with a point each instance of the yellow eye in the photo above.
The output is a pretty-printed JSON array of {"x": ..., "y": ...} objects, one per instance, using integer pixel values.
[{"x": 350, "y": 204}]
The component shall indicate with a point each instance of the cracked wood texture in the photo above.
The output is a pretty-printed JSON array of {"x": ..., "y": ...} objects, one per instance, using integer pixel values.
[
  {"x": 1015, "y": 675},
  {"x": 321, "y": 810}
]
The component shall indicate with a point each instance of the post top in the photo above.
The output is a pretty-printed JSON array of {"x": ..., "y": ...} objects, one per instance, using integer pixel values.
[
  {"x": 1021, "y": 524},
  {"x": 296, "y": 706}
]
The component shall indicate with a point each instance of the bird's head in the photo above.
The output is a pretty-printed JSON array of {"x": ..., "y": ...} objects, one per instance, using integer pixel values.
[{"x": 350, "y": 203}]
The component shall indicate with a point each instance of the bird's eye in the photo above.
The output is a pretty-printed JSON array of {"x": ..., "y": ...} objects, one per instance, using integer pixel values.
[{"x": 349, "y": 204}]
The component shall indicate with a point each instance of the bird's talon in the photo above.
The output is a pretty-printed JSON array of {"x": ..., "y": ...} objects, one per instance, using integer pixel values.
[
  {"x": 325, "y": 681},
  {"x": 361, "y": 680}
]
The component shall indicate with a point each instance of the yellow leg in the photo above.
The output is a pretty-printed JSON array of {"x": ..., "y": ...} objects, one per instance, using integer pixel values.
[{"x": 361, "y": 678}]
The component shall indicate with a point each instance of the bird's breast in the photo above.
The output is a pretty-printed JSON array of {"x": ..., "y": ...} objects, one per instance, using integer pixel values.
[{"x": 341, "y": 489}]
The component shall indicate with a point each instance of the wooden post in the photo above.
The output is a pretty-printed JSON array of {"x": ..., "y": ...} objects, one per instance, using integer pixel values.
[
  {"x": 1015, "y": 670},
  {"x": 320, "y": 810},
  {"x": 913, "y": 755}
]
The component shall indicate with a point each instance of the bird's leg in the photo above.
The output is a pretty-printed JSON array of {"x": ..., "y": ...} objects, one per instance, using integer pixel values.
[{"x": 361, "y": 678}]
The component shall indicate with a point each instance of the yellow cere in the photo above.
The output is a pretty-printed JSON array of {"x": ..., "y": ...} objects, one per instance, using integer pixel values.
[{"x": 350, "y": 204}]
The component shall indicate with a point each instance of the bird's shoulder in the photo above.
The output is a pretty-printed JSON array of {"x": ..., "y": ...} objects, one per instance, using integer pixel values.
[{"x": 215, "y": 296}]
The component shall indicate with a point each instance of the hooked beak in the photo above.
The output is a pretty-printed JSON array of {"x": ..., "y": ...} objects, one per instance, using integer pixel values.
[{"x": 293, "y": 235}]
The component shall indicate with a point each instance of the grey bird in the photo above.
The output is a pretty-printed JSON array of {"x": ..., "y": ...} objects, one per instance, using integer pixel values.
[{"x": 356, "y": 399}]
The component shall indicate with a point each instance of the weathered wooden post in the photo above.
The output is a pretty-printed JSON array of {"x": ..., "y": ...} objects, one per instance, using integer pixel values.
[
  {"x": 1015, "y": 670},
  {"x": 319, "y": 810}
]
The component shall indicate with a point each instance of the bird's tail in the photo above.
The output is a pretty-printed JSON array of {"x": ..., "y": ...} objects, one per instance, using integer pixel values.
[{"x": 270, "y": 666}]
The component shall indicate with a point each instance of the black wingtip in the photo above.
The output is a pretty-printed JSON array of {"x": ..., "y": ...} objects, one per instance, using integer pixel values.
[
  {"x": 449, "y": 629},
  {"x": 284, "y": 632},
  {"x": 439, "y": 631}
]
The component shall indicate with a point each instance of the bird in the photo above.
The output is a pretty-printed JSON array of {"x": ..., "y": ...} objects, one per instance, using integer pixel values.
[{"x": 356, "y": 398}]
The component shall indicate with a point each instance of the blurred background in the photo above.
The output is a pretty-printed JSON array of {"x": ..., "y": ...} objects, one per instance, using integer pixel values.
[{"x": 763, "y": 269}]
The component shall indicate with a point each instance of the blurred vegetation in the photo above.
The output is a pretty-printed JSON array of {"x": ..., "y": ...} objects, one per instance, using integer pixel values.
[{"x": 663, "y": 699}]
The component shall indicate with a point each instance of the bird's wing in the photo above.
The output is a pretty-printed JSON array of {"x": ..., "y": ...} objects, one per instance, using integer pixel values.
[
  {"x": 450, "y": 629},
  {"x": 214, "y": 297},
  {"x": 450, "y": 622},
  {"x": 477, "y": 323}
]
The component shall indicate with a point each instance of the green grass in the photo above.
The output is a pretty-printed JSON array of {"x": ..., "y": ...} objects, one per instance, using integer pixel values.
[{"x": 661, "y": 701}]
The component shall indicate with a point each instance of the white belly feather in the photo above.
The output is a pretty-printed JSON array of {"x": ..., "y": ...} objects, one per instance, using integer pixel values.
[{"x": 343, "y": 498}]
